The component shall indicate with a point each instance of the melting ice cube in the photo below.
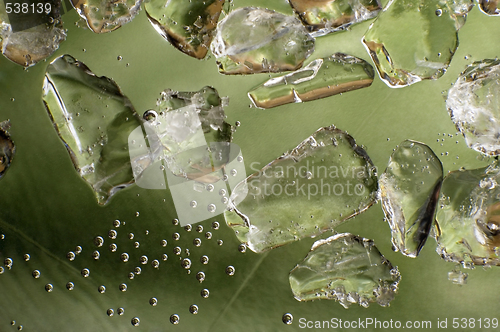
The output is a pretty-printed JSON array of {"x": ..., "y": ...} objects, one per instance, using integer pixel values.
[
  {"x": 27, "y": 38},
  {"x": 319, "y": 79},
  {"x": 409, "y": 189},
  {"x": 325, "y": 180},
  {"x": 468, "y": 217},
  {"x": 93, "y": 119},
  {"x": 188, "y": 25},
  {"x": 254, "y": 40},
  {"x": 7, "y": 147},
  {"x": 345, "y": 268},
  {"x": 322, "y": 17},
  {"x": 430, "y": 30},
  {"x": 106, "y": 15},
  {"x": 474, "y": 105}
]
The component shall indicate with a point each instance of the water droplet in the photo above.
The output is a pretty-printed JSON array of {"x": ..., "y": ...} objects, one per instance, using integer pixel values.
[
  {"x": 220, "y": 242},
  {"x": 113, "y": 247},
  {"x": 193, "y": 204},
  {"x": 242, "y": 248},
  {"x": 197, "y": 242},
  {"x": 186, "y": 263},
  {"x": 121, "y": 311},
  {"x": 123, "y": 287},
  {"x": 116, "y": 223},
  {"x": 174, "y": 319},
  {"x": 70, "y": 286},
  {"x": 49, "y": 288},
  {"x": 199, "y": 228},
  {"x": 287, "y": 318},
  {"x": 85, "y": 272},
  {"x": 101, "y": 289},
  {"x": 176, "y": 236},
  {"x": 164, "y": 243},
  {"x": 155, "y": 263},
  {"x": 153, "y": 301},
  {"x": 230, "y": 270},
  {"x": 26, "y": 257},
  {"x": 215, "y": 224},
  {"x": 193, "y": 309},
  {"x": 98, "y": 241},
  {"x": 177, "y": 250},
  {"x": 188, "y": 228},
  {"x": 211, "y": 208},
  {"x": 208, "y": 235},
  {"x": 112, "y": 234},
  {"x": 204, "y": 259},
  {"x": 135, "y": 321},
  {"x": 110, "y": 312},
  {"x": 200, "y": 276},
  {"x": 175, "y": 222},
  {"x": 205, "y": 293},
  {"x": 124, "y": 257},
  {"x": 70, "y": 255},
  {"x": 143, "y": 259}
]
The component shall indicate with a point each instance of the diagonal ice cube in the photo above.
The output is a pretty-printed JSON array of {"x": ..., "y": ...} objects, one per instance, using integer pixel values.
[
  {"x": 345, "y": 268},
  {"x": 322, "y": 17},
  {"x": 324, "y": 181},
  {"x": 319, "y": 79},
  {"x": 27, "y": 38},
  {"x": 474, "y": 105},
  {"x": 255, "y": 40},
  {"x": 106, "y": 15},
  {"x": 188, "y": 25},
  {"x": 430, "y": 39},
  {"x": 7, "y": 147},
  {"x": 468, "y": 217},
  {"x": 93, "y": 119},
  {"x": 409, "y": 189}
]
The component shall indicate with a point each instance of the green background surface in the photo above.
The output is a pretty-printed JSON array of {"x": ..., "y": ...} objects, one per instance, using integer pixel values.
[{"x": 46, "y": 209}]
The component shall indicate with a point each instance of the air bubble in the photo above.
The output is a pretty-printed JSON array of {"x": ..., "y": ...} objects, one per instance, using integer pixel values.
[
  {"x": 220, "y": 242},
  {"x": 26, "y": 257},
  {"x": 439, "y": 12},
  {"x": 205, "y": 293},
  {"x": 186, "y": 263},
  {"x": 197, "y": 242},
  {"x": 143, "y": 259},
  {"x": 177, "y": 251},
  {"x": 215, "y": 225},
  {"x": 98, "y": 241},
  {"x": 2, "y": 270},
  {"x": 85, "y": 273},
  {"x": 70, "y": 286},
  {"x": 193, "y": 204},
  {"x": 204, "y": 259},
  {"x": 96, "y": 255},
  {"x": 211, "y": 208},
  {"x": 36, "y": 274},
  {"x": 135, "y": 321},
  {"x": 199, "y": 228},
  {"x": 78, "y": 250},
  {"x": 110, "y": 312},
  {"x": 188, "y": 228},
  {"x": 124, "y": 257},
  {"x": 131, "y": 236},
  {"x": 210, "y": 187},
  {"x": 49, "y": 288},
  {"x": 119, "y": 58},
  {"x": 8, "y": 263},
  {"x": 175, "y": 222},
  {"x": 113, "y": 247},
  {"x": 234, "y": 172},
  {"x": 137, "y": 214},
  {"x": 193, "y": 309},
  {"x": 174, "y": 319},
  {"x": 121, "y": 311},
  {"x": 137, "y": 270},
  {"x": 112, "y": 234},
  {"x": 208, "y": 235},
  {"x": 70, "y": 255},
  {"x": 176, "y": 236},
  {"x": 240, "y": 158},
  {"x": 287, "y": 318},
  {"x": 136, "y": 244},
  {"x": 242, "y": 248},
  {"x": 153, "y": 301},
  {"x": 222, "y": 192},
  {"x": 200, "y": 276},
  {"x": 122, "y": 287},
  {"x": 116, "y": 223},
  {"x": 164, "y": 257},
  {"x": 230, "y": 270},
  {"x": 155, "y": 263},
  {"x": 101, "y": 289},
  {"x": 164, "y": 243}
]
